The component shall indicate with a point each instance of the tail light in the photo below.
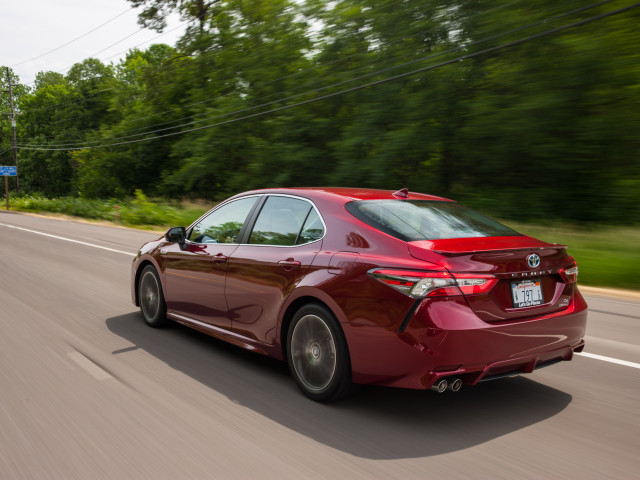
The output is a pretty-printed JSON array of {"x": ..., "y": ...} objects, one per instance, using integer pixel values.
[
  {"x": 420, "y": 284},
  {"x": 569, "y": 274}
]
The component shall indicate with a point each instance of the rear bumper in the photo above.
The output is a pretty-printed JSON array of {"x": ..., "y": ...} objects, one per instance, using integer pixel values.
[
  {"x": 445, "y": 338},
  {"x": 507, "y": 368}
]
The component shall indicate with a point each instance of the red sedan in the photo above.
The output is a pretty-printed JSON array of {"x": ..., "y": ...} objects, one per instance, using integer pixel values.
[{"x": 356, "y": 286}]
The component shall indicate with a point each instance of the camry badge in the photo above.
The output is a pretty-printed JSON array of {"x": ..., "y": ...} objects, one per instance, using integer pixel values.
[{"x": 533, "y": 260}]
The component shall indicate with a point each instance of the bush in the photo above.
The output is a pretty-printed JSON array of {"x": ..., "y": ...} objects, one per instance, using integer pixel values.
[{"x": 139, "y": 211}]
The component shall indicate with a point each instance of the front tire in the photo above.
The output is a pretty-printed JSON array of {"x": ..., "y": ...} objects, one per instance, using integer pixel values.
[
  {"x": 151, "y": 298},
  {"x": 317, "y": 354}
]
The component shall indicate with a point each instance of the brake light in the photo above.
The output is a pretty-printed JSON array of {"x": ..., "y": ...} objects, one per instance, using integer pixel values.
[
  {"x": 471, "y": 284},
  {"x": 569, "y": 274},
  {"x": 420, "y": 284}
]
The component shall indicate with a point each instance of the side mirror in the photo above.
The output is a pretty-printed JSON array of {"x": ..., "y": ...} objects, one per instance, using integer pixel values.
[{"x": 176, "y": 235}]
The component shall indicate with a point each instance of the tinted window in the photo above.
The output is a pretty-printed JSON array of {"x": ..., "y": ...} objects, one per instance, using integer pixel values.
[
  {"x": 223, "y": 224},
  {"x": 411, "y": 220},
  {"x": 312, "y": 230},
  {"x": 280, "y": 221}
]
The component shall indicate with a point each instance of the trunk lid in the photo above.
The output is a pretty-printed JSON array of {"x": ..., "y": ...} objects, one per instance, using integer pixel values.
[{"x": 539, "y": 289}]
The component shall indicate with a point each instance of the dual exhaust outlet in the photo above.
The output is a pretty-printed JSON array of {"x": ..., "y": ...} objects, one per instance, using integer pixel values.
[{"x": 453, "y": 384}]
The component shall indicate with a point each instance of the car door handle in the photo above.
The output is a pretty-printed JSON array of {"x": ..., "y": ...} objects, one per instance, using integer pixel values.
[
  {"x": 289, "y": 264},
  {"x": 219, "y": 258}
]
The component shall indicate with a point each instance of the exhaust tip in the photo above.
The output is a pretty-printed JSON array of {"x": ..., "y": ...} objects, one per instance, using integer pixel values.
[
  {"x": 455, "y": 384},
  {"x": 440, "y": 385}
]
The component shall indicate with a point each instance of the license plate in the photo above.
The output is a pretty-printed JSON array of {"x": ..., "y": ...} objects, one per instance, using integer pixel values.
[{"x": 526, "y": 293}]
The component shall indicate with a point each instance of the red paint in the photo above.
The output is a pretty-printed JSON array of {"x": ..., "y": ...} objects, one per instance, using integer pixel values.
[{"x": 248, "y": 292}]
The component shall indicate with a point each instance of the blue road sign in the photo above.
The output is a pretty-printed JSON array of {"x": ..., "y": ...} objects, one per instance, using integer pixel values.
[{"x": 8, "y": 171}]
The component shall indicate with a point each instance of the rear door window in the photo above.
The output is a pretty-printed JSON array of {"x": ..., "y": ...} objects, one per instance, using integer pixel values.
[{"x": 281, "y": 221}]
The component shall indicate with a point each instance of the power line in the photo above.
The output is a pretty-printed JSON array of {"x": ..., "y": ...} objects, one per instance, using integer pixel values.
[
  {"x": 370, "y": 74},
  {"x": 5, "y": 150},
  {"x": 74, "y": 40},
  {"x": 207, "y": 55},
  {"x": 335, "y": 84},
  {"x": 371, "y": 84},
  {"x": 157, "y": 36},
  {"x": 135, "y": 46},
  {"x": 113, "y": 44},
  {"x": 164, "y": 72},
  {"x": 396, "y": 39}
]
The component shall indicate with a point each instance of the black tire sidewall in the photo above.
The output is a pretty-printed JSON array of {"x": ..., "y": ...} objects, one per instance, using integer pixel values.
[
  {"x": 160, "y": 319},
  {"x": 341, "y": 382}
]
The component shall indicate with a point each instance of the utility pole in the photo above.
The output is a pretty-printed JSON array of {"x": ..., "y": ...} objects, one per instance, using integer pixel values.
[{"x": 13, "y": 127}]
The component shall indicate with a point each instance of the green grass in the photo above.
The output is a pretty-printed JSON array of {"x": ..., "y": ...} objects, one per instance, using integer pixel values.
[
  {"x": 138, "y": 212},
  {"x": 607, "y": 256}
]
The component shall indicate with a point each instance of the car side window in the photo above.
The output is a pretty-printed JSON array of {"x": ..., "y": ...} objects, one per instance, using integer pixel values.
[
  {"x": 223, "y": 224},
  {"x": 280, "y": 221},
  {"x": 312, "y": 230}
]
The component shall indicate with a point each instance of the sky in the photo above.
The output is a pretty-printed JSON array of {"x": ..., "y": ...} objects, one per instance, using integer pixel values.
[{"x": 33, "y": 28}]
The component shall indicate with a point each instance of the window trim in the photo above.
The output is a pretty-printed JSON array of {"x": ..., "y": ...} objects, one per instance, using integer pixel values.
[{"x": 245, "y": 235}]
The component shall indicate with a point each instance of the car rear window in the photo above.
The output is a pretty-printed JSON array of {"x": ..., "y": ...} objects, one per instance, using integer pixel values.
[{"x": 412, "y": 220}]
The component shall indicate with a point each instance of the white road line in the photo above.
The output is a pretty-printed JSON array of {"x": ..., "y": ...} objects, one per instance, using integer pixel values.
[
  {"x": 68, "y": 239},
  {"x": 609, "y": 359},
  {"x": 88, "y": 366}
]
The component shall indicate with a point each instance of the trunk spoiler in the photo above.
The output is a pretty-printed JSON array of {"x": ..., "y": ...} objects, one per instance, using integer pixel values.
[{"x": 459, "y": 246}]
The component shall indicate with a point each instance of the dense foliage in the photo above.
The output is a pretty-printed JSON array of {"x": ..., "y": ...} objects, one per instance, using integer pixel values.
[
  {"x": 465, "y": 99},
  {"x": 138, "y": 211}
]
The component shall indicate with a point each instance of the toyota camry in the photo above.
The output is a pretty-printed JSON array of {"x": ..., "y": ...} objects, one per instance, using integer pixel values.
[{"x": 359, "y": 286}]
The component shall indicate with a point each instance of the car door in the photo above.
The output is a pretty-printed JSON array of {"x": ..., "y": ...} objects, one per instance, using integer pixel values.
[
  {"x": 195, "y": 271},
  {"x": 276, "y": 255}
]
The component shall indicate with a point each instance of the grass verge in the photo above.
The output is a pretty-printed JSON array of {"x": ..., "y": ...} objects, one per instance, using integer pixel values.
[
  {"x": 138, "y": 212},
  {"x": 607, "y": 256}
]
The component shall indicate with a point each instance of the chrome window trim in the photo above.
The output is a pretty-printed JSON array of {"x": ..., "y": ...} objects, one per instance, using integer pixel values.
[
  {"x": 313, "y": 206},
  {"x": 259, "y": 195}
]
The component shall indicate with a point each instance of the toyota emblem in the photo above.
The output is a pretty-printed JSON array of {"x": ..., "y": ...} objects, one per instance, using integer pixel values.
[{"x": 533, "y": 260}]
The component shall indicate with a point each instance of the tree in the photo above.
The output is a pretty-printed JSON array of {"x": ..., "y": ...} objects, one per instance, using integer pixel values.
[
  {"x": 50, "y": 118},
  {"x": 551, "y": 121},
  {"x": 155, "y": 13},
  {"x": 274, "y": 93}
]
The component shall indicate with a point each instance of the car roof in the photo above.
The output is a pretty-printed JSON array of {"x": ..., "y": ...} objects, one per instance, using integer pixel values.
[{"x": 346, "y": 194}]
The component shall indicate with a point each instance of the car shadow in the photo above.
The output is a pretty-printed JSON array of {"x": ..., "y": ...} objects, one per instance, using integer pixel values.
[{"x": 375, "y": 423}]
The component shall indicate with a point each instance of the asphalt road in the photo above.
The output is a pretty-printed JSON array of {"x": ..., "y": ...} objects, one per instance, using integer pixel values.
[{"x": 87, "y": 391}]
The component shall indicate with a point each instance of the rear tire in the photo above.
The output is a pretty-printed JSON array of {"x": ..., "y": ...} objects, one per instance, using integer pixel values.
[
  {"x": 151, "y": 298},
  {"x": 317, "y": 354}
]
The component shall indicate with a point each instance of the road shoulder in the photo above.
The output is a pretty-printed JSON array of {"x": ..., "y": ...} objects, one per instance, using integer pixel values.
[{"x": 610, "y": 292}]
